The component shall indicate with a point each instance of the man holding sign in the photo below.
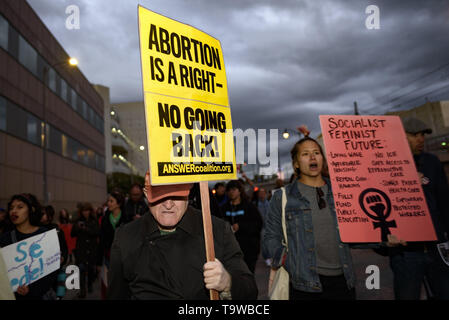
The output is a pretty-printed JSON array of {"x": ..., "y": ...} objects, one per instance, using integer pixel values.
[
  {"x": 418, "y": 260},
  {"x": 189, "y": 134},
  {"x": 162, "y": 255}
]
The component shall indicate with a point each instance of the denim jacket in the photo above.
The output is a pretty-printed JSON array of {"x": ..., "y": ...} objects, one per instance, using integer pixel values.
[{"x": 301, "y": 260}]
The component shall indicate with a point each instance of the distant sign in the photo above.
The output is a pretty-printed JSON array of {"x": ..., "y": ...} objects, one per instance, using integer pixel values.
[
  {"x": 32, "y": 259},
  {"x": 188, "y": 118},
  {"x": 376, "y": 187}
]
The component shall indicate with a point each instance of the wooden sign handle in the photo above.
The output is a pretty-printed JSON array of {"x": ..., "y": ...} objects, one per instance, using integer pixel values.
[{"x": 207, "y": 227}]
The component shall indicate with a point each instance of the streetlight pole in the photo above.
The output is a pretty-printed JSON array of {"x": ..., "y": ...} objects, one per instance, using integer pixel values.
[
  {"x": 44, "y": 136},
  {"x": 72, "y": 62}
]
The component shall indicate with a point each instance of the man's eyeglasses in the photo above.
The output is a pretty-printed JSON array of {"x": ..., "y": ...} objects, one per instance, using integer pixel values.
[{"x": 319, "y": 196}]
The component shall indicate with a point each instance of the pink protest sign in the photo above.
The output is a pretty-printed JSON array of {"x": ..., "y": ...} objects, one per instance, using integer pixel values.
[{"x": 375, "y": 184}]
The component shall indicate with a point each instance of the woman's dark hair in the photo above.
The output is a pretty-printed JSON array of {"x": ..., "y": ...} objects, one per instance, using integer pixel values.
[
  {"x": 86, "y": 206},
  {"x": 295, "y": 150},
  {"x": 34, "y": 208},
  {"x": 218, "y": 184},
  {"x": 238, "y": 185},
  {"x": 118, "y": 196},
  {"x": 50, "y": 212},
  {"x": 64, "y": 220}
]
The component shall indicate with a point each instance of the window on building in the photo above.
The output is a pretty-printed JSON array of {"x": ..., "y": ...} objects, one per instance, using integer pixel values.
[
  {"x": 40, "y": 67},
  {"x": 33, "y": 129},
  {"x": 58, "y": 84},
  {"x": 16, "y": 119},
  {"x": 91, "y": 117},
  {"x": 64, "y": 90},
  {"x": 82, "y": 154},
  {"x": 91, "y": 158},
  {"x": 73, "y": 99},
  {"x": 27, "y": 55},
  {"x": 97, "y": 122},
  {"x": 3, "y": 33},
  {"x": 55, "y": 140},
  {"x": 100, "y": 163},
  {"x": 2, "y": 113},
  {"x": 84, "y": 109},
  {"x": 65, "y": 146},
  {"x": 71, "y": 148},
  {"x": 13, "y": 42},
  {"x": 52, "y": 79}
]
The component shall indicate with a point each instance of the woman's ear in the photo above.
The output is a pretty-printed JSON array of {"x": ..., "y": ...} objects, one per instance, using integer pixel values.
[{"x": 295, "y": 165}]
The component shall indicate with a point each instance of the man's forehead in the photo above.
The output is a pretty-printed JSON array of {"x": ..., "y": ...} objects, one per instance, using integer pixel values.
[{"x": 421, "y": 133}]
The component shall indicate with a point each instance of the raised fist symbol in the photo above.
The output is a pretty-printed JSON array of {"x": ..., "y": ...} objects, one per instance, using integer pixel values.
[{"x": 376, "y": 205}]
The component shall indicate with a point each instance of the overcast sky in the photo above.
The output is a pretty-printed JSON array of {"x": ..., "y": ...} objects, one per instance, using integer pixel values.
[{"x": 286, "y": 61}]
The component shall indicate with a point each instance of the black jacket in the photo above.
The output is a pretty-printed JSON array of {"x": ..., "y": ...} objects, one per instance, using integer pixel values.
[
  {"x": 147, "y": 265},
  {"x": 250, "y": 224},
  {"x": 62, "y": 243},
  {"x": 131, "y": 209},
  {"x": 87, "y": 240},
  {"x": 436, "y": 191},
  {"x": 107, "y": 233}
]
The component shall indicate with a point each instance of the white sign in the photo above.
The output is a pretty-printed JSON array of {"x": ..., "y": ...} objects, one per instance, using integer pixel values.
[{"x": 32, "y": 259}]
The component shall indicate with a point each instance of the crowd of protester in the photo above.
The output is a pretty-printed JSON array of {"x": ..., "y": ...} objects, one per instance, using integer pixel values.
[
  {"x": 85, "y": 236},
  {"x": 319, "y": 264}
]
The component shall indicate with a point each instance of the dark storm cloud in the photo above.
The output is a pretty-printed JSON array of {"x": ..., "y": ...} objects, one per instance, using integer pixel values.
[{"x": 287, "y": 61}]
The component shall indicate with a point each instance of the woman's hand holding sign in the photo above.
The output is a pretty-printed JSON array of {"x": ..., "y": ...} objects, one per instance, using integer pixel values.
[{"x": 23, "y": 290}]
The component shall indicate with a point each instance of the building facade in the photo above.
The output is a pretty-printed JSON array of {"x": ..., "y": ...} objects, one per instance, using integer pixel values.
[
  {"x": 49, "y": 113},
  {"x": 131, "y": 121}
]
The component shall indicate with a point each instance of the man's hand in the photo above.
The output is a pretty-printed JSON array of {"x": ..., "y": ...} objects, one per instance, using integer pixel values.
[
  {"x": 235, "y": 227},
  {"x": 23, "y": 290},
  {"x": 394, "y": 242},
  {"x": 216, "y": 277}
]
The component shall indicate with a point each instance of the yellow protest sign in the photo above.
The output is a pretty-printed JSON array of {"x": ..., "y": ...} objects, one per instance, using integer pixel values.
[{"x": 188, "y": 118}]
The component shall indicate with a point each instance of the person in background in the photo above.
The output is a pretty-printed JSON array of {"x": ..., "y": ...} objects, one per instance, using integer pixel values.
[
  {"x": 245, "y": 220},
  {"x": 195, "y": 200},
  {"x": 66, "y": 226},
  {"x": 5, "y": 223},
  {"x": 48, "y": 215},
  {"x": 99, "y": 213},
  {"x": 279, "y": 184},
  {"x": 25, "y": 213},
  {"x": 87, "y": 231},
  {"x": 247, "y": 183},
  {"x": 220, "y": 193},
  {"x": 419, "y": 262},
  {"x": 262, "y": 204},
  {"x": 136, "y": 205},
  {"x": 112, "y": 219}
]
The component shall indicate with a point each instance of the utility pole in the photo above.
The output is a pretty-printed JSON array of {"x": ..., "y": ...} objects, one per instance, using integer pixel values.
[{"x": 356, "y": 109}]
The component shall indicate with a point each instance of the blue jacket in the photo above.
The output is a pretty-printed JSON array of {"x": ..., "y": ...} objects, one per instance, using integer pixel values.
[{"x": 301, "y": 259}]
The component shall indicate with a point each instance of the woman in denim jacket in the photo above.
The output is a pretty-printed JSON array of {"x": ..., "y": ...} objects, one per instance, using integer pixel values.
[{"x": 319, "y": 264}]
